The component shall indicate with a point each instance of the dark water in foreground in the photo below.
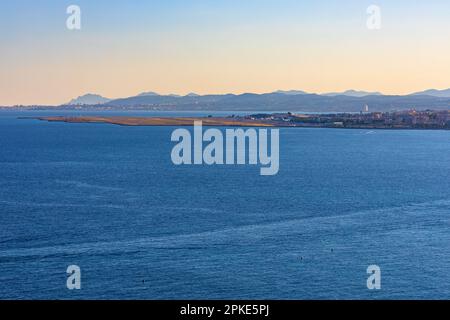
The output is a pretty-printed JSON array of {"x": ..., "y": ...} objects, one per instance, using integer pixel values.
[{"x": 109, "y": 199}]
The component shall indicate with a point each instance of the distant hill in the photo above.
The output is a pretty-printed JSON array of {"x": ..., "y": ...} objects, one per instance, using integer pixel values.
[
  {"x": 89, "y": 99},
  {"x": 293, "y": 100},
  {"x": 291, "y": 92},
  {"x": 154, "y": 94},
  {"x": 145, "y": 94},
  {"x": 352, "y": 93},
  {"x": 282, "y": 102},
  {"x": 434, "y": 93}
]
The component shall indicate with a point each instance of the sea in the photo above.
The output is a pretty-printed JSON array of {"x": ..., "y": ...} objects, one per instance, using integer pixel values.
[{"x": 109, "y": 200}]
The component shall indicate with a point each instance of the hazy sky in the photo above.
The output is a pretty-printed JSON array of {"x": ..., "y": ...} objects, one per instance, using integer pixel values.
[{"x": 219, "y": 46}]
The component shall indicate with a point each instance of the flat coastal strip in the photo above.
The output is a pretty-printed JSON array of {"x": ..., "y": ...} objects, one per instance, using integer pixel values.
[{"x": 156, "y": 121}]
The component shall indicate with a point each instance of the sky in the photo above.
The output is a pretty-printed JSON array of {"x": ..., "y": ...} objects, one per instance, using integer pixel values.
[{"x": 126, "y": 47}]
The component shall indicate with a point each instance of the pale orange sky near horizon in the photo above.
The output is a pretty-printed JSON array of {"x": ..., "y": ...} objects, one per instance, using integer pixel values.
[{"x": 216, "y": 49}]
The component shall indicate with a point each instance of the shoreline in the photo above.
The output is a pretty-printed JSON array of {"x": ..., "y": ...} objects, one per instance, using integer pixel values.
[
  {"x": 158, "y": 121},
  {"x": 273, "y": 120}
]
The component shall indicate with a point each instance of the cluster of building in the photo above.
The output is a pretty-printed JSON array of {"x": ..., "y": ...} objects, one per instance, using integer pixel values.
[{"x": 428, "y": 119}]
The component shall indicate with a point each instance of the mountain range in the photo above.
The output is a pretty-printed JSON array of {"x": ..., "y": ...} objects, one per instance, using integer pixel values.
[
  {"x": 435, "y": 93},
  {"x": 94, "y": 99},
  {"x": 292, "y": 100}
]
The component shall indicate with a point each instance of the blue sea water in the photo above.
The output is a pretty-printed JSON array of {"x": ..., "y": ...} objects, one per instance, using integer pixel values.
[{"x": 108, "y": 199}]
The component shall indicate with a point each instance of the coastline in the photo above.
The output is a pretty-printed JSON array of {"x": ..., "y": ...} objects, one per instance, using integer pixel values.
[
  {"x": 159, "y": 121},
  {"x": 374, "y": 121}
]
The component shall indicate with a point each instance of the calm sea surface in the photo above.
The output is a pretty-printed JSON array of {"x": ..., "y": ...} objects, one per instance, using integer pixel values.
[{"x": 108, "y": 199}]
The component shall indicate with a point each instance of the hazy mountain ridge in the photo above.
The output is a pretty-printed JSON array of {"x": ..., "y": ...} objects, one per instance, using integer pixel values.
[
  {"x": 434, "y": 93},
  {"x": 89, "y": 99},
  {"x": 292, "y": 100},
  {"x": 281, "y": 102},
  {"x": 353, "y": 93},
  {"x": 153, "y": 98}
]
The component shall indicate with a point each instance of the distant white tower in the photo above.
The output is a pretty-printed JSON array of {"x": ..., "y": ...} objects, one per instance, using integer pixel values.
[{"x": 366, "y": 108}]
